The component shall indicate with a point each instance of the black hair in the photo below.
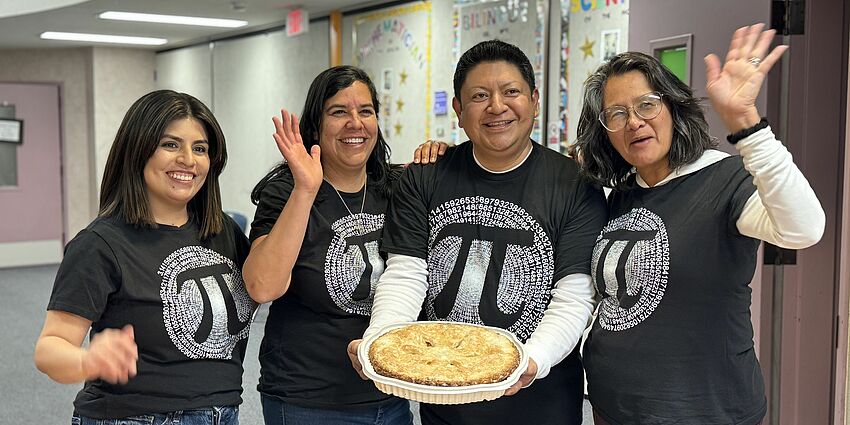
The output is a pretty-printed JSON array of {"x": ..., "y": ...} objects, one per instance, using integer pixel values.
[
  {"x": 493, "y": 51},
  {"x": 123, "y": 192},
  {"x": 325, "y": 86}
]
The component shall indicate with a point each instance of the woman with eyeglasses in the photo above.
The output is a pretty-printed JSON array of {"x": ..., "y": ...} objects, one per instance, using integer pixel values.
[{"x": 673, "y": 340}]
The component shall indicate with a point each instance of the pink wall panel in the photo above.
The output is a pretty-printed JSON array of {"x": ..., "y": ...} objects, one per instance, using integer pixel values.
[{"x": 32, "y": 211}]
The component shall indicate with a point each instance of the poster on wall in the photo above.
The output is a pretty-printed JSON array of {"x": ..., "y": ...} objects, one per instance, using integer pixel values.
[
  {"x": 610, "y": 45},
  {"x": 595, "y": 32},
  {"x": 394, "y": 47},
  {"x": 519, "y": 22}
]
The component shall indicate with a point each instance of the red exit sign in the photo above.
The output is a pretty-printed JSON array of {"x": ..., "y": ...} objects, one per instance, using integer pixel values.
[{"x": 297, "y": 22}]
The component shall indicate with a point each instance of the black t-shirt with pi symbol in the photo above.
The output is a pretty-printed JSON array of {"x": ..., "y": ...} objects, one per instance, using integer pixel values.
[{"x": 185, "y": 299}]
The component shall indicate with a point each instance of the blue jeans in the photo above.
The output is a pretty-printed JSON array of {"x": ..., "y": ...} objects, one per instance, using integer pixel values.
[
  {"x": 224, "y": 415},
  {"x": 277, "y": 412}
]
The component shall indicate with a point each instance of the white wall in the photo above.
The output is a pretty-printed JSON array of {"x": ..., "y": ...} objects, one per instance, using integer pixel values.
[
  {"x": 119, "y": 78},
  {"x": 245, "y": 81},
  {"x": 252, "y": 79},
  {"x": 187, "y": 70}
]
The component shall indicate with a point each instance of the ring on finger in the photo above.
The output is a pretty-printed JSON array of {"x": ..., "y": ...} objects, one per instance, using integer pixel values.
[{"x": 754, "y": 61}]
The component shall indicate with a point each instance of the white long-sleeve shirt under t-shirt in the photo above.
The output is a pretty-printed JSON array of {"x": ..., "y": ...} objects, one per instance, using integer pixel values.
[
  {"x": 403, "y": 286},
  {"x": 559, "y": 308},
  {"x": 784, "y": 210}
]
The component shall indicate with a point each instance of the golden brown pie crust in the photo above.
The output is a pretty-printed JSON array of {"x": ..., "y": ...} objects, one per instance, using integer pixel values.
[{"x": 444, "y": 354}]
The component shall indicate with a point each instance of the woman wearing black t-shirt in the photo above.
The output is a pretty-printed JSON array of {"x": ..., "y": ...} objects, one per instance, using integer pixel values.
[
  {"x": 314, "y": 255},
  {"x": 156, "y": 277},
  {"x": 673, "y": 340}
]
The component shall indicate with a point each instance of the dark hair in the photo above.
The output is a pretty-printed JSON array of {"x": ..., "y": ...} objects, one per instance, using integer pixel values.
[
  {"x": 492, "y": 51},
  {"x": 600, "y": 161},
  {"x": 325, "y": 86},
  {"x": 123, "y": 192}
]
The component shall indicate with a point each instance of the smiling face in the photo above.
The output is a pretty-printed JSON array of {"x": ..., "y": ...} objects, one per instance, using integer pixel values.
[
  {"x": 496, "y": 109},
  {"x": 642, "y": 143},
  {"x": 178, "y": 167},
  {"x": 349, "y": 130}
]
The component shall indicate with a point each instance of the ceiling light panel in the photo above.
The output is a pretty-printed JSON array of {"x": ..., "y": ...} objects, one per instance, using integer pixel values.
[
  {"x": 102, "y": 38},
  {"x": 173, "y": 19}
]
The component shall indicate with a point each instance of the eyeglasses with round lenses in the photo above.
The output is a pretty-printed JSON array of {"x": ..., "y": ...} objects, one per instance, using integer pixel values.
[{"x": 645, "y": 107}]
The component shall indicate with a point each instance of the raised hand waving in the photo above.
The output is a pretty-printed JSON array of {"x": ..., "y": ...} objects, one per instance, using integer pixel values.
[
  {"x": 306, "y": 167},
  {"x": 734, "y": 86}
]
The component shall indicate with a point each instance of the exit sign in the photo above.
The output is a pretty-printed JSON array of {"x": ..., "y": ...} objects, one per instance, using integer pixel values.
[{"x": 297, "y": 22}]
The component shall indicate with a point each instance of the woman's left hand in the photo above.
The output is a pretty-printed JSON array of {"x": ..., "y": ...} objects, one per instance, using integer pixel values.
[
  {"x": 306, "y": 166},
  {"x": 734, "y": 86}
]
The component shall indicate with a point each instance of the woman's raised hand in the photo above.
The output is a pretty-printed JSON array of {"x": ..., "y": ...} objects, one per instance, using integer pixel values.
[
  {"x": 734, "y": 85},
  {"x": 306, "y": 167}
]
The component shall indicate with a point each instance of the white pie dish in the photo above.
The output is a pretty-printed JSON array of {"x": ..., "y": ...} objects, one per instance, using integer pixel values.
[{"x": 438, "y": 394}]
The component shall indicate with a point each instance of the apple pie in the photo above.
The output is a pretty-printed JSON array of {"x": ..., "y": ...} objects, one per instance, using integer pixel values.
[{"x": 444, "y": 354}]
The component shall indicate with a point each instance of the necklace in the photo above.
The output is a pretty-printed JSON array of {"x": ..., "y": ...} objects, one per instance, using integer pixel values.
[{"x": 362, "y": 204}]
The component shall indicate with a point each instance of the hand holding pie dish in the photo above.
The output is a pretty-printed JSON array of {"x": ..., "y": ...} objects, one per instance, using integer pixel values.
[{"x": 443, "y": 362}]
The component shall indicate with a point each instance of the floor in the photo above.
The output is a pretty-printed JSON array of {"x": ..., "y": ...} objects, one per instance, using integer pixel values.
[{"x": 30, "y": 397}]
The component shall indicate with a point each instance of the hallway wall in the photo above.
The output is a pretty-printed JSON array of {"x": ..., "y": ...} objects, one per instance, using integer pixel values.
[
  {"x": 245, "y": 81},
  {"x": 97, "y": 85},
  {"x": 71, "y": 69},
  {"x": 187, "y": 70},
  {"x": 119, "y": 78}
]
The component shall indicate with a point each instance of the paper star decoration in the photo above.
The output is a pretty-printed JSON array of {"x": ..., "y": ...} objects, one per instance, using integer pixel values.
[
  {"x": 397, "y": 128},
  {"x": 399, "y": 104},
  {"x": 402, "y": 77},
  {"x": 587, "y": 47}
]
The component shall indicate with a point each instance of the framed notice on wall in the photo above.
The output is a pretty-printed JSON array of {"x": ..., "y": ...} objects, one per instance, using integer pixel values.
[
  {"x": 394, "y": 47},
  {"x": 11, "y": 131}
]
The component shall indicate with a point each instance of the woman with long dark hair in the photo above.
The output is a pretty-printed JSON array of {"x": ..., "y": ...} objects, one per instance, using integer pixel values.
[
  {"x": 314, "y": 255},
  {"x": 155, "y": 278}
]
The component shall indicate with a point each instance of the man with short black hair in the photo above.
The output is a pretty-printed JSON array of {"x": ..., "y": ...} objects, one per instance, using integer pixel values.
[{"x": 498, "y": 232}]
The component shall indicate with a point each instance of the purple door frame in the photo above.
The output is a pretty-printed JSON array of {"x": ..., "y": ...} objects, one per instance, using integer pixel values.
[{"x": 31, "y": 219}]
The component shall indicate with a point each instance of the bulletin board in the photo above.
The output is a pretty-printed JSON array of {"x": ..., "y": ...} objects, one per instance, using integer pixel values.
[
  {"x": 595, "y": 32},
  {"x": 394, "y": 47},
  {"x": 519, "y": 22}
]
